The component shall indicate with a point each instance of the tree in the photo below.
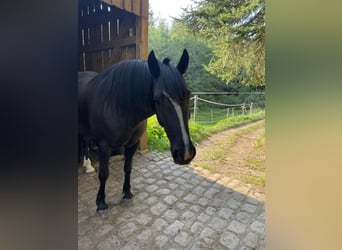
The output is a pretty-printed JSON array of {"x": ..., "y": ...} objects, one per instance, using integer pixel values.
[
  {"x": 170, "y": 42},
  {"x": 235, "y": 29}
]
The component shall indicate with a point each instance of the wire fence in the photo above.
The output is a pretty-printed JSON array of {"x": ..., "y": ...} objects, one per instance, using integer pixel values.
[{"x": 209, "y": 111}]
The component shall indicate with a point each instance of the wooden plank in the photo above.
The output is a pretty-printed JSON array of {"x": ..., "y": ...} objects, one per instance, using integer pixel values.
[
  {"x": 87, "y": 37},
  {"x": 128, "y": 52},
  {"x": 144, "y": 8},
  {"x": 107, "y": 58},
  {"x": 128, "y": 5},
  {"x": 117, "y": 3},
  {"x": 126, "y": 22},
  {"x": 117, "y": 43},
  {"x": 94, "y": 61},
  {"x": 116, "y": 55},
  {"x": 136, "y": 8},
  {"x": 142, "y": 52},
  {"x": 144, "y": 38},
  {"x": 92, "y": 9},
  {"x": 106, "y": 33},
  {"x": 88, "y": 65},
  {"x": 95, "y": 36},
  {"x": 98, "y": 5},
  {"x": 113, "y": 31},
  {"x": 100, "y": 17},
  {"x": 79, "y": 36},
  {"x": 80, "y": 64}
]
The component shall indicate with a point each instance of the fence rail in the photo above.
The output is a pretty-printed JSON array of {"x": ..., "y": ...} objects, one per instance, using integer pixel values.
[{"x": 228, "y": 110}]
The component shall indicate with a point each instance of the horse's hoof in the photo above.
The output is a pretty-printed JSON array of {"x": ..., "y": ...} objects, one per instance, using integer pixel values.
[
  {"x": 102, "y": 213},
  {"x": 127, "y": 195},
  {"x": 128, "y": 202}
]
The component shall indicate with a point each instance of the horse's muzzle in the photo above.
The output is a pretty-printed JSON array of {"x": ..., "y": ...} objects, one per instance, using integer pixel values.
[{"x": 182, "y": 157}]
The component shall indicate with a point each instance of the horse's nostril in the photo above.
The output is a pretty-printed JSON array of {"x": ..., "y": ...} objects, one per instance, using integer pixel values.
[
  {"x": 183, "y": 157},
  {"x": 187, "y": 156}
]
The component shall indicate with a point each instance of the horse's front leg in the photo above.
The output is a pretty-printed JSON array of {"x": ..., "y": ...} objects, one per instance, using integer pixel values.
[
  {"x": 129, "y": 153},
  {"x": 104, "y": 153}
]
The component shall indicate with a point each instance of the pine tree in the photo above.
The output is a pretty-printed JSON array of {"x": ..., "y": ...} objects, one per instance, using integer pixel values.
[{"x": 235, "y": 30}]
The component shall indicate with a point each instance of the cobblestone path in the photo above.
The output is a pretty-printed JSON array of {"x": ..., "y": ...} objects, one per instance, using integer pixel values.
[{"x": 175, "y": 207}]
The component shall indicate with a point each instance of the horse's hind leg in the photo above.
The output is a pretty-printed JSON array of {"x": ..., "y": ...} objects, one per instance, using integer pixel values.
[
  {"x": 129, "y": 153},
  {"x": 86, "y": 162},
  {"x": 104, "y": 153}
]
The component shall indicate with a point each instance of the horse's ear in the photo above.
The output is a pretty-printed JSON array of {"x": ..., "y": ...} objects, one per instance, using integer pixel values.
[
  {"x": 153, "y": 65},
  {"x": 183, "y": 62}
]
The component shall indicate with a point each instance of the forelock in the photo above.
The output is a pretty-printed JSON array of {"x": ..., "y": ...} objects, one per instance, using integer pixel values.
[{"x": 166, "y": 61}]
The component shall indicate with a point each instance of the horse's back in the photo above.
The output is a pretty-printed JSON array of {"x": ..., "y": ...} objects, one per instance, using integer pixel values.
[{"x": 86, "y": 75}]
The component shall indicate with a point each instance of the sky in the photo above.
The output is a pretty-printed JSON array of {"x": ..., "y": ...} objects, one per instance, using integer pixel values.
[{"x": 167, "y": 8}]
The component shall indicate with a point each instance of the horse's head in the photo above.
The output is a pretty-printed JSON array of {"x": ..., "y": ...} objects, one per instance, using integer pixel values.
[{"x": 171, "y": 98}]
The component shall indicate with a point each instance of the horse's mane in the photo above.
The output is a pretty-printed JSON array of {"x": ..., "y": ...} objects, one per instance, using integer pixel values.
[
  {"x": 129, "y": 84},
  {"x": 124, "y": 86}
]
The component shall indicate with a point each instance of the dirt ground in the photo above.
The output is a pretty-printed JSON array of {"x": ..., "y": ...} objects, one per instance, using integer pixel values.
[{"x": 238, "y": 153}]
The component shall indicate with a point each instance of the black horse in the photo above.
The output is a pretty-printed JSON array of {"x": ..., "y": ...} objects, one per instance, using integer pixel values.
[{"x": 113, "y": 107}]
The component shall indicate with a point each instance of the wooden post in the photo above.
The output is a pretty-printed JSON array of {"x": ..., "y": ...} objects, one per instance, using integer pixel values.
[
  {"x": 233, "y": 111},
  {"x": 251, "y": 108},
  {"x": 243, "y": 109},
  {"x": 142, "y": 48},
  {"x": 195, "y": 107}
]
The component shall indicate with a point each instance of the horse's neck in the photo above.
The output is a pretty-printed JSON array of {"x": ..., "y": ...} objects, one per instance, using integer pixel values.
[
  {"x": 144, "y": 112},
  {"x": 146, "y": 108},
  {"x": 138, "y": 113}
]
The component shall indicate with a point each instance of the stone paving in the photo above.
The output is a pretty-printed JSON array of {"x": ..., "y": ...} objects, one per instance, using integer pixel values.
[{"x": 175, "y": 207}]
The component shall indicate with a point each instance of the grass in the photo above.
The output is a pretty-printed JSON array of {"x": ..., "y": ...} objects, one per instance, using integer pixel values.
[
  {"x": 218, "y": 153},
  {"x": 157, "y": 138},
  {"x": 206, "y": 166},
  {"x": 257, "y": 164},
  {"x": 254, "y": 180}
]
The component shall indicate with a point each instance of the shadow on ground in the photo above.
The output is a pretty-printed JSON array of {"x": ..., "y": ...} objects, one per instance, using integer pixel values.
[{"x": 175, "y": 207}]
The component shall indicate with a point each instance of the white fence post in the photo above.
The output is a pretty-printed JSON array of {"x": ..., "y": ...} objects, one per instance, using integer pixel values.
[
  {"x": 195, "y": 107},
  {"x": 251, "y": 108}
]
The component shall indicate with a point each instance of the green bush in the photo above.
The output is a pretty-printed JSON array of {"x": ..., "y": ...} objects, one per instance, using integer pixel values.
[{"x": 156, "y": 136}]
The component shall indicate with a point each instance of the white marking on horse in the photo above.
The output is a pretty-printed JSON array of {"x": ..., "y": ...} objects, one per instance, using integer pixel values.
[
  {"x": 87, "y": 164},
  {"x": 181, "y": 122}
]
